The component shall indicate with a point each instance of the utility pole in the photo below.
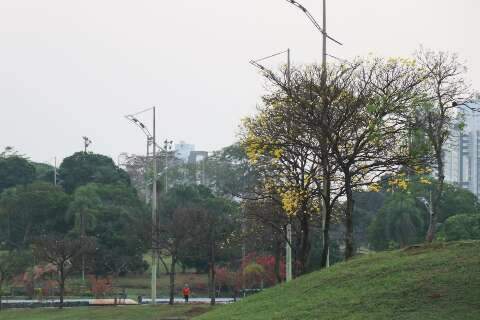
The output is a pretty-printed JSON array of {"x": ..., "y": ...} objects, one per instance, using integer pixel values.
[
  {"x": 55, "y": 172},
  {"x": 288, "y": 255},
  {"x": 82, "y": 236},
  {"x": 167, "y": 145},
  {"x": 324, "y": 85},
  {"x": 244, "y": 248},
  {"x": 323, "y": 79},
  {"x": 324, "y": 44},
  {"x": 86, "y": 143},
  {"x": 155, "y": 222},
  {"x": 147, "y": 196},
  {"x": 151, "y": 139},
  {"x": 288, "y": 246}
]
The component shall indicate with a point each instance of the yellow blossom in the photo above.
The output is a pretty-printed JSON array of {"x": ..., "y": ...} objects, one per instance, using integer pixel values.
[
  {"x": 375, "y": 187},
  {"x": 425, "y": 181}
]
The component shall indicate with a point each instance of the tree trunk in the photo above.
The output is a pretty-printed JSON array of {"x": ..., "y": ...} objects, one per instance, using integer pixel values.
[
  {"x": 276, "y": 267},
  {"x": 349, "y": 246},
  {"x": 62, "y": 285},
  {"x": 1, "y": 294},
  {"x": 327, "y": 211},
  {"x": 82, "y": 235},
  {"x": 26, "y": 234},
  {"x": 326, "y": 236},
  {"x": 214, "y": 293},
  {"x": 435, "y": 201},
  {"x": 172, "y": 280},
  {"x": 212, "y": 273},
  {"x": 296, "y": 248},
  {"x": 165, "y": 267},
  {"x": 305, "y": 246}
]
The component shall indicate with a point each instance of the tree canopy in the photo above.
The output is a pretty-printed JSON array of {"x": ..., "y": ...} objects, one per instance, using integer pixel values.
[
  {"x": 82, "y": 168},
  {"x": 15, "y": 170}
]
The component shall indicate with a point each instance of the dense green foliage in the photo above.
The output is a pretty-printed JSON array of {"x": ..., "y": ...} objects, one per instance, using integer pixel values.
[
  {"x": 29, "y": 211},
  {"x": 439, "y": 281},
  {"x": 196, "y": 228},
  {"x": 116, "y": 219},
  {"x": 397, "y": 217},
  {"x": 109, "y": 210},
  {"x": 399, "y": 221},
  {"x": 44, "y": 172},
  {"x": 456, "y": 201},
  {"x": 15, "y": 170},
  {"x": 462, "y": 226},
  {"x": 82, "y": 168}
]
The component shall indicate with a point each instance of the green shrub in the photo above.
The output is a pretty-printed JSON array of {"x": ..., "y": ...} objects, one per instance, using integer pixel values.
[{"x": 462, "y": 227}]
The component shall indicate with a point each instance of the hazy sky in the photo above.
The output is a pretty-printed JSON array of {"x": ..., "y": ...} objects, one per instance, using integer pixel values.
[{"x": 74, "y": 68}]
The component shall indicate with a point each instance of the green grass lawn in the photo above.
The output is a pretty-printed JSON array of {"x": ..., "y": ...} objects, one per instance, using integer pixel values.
[
  {"x": 440, "y": 281},
  {"x": 110, "y": 313}
]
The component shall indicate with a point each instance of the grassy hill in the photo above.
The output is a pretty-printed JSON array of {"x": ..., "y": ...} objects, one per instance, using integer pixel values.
[{"x": 441, "y": 281}]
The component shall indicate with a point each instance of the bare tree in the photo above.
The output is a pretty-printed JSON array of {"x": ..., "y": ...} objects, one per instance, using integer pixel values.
[
  {"x": 445, "y": 90},
  {"x": 219, "y": 225},
  {"x": 176, "y": 233},
  {"x": 65, "y": 254},
  {"x": 369, "y": 137}
]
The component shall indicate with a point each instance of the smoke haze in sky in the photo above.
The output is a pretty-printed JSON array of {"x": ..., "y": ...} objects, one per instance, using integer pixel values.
[{"x": 74, "y": 68}]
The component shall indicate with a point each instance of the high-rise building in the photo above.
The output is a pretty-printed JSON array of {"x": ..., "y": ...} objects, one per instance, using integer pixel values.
[
  {"x": 182, "y": 150},
  {"x": 462, "y": 152}
]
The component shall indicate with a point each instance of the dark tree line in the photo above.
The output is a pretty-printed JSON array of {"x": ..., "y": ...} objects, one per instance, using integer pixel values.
[
  {"x": 93, "y": 202},
  {"x": 196, "y": 226}
]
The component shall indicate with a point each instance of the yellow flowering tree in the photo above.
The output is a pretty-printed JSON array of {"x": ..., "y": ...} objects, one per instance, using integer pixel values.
[{"x": 286, "y": 167}]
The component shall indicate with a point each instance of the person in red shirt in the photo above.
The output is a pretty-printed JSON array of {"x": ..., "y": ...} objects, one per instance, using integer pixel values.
[{"x": 186, "y": 292}]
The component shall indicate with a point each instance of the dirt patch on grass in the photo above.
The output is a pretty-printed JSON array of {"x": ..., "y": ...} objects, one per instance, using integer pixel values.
[
  {"x": 196, "y": 311},
  {"x": 423, "y": 248}
]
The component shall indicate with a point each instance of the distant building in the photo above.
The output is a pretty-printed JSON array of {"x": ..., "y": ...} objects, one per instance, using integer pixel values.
[
  {"x": 197, "y": 161},
  {"x": 197, "y": 156},
  {"x": 183, "y": 150},
  {"x": 462, "y": 152},
  {"x": 194, "y": 171}
]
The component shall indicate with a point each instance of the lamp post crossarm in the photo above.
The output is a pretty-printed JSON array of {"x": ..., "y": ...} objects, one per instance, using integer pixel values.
[
  {"x": 139, "y": 124},
  {"x": 313, "y": 20}
]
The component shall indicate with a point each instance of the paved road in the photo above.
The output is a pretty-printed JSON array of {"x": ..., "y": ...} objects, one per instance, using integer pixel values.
[
  {"x": 27, "y": 303},
  {"x": 192, "y": 300}
]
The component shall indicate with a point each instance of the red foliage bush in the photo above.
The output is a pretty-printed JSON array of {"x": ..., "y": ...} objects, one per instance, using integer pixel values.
[
  {"x": 268, "y": 264},
  {"x": 100, "y": 286}
]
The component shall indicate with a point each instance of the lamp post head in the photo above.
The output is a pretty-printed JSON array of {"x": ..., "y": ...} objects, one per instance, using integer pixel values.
[
  {"x": 424, "y": 201},
  {"x": 298, "y": 5}
]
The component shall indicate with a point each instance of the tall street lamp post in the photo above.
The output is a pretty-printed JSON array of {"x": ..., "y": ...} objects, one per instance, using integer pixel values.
[
  {"x": 325, "y": 36},
  {"x": 167, "y": 146},
  {"x": 323, "y": 31},
  {"x": 152, "y": 138}
]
